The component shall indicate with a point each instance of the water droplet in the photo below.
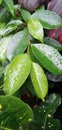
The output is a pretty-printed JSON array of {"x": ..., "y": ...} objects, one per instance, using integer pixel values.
[
  {"x": 52, "y": 125},
  {"x": 29, "y": 119},
  {"x": 49, "y": 123},
  {"x": 49, "y": 115},
  {"x": 21, "y": 118},
  {"x": 44, "y": 111},
  {"x": 50, "y": 110},
  {"x": 42, "y": 127},
  {"x": 49, "y": 126}
]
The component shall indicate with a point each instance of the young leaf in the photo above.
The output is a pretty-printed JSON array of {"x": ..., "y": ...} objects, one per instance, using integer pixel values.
[
  {"x": 25, "y": 15},
  {"x": 36, "y": 29},
  {"x": 54, "y": 43},
  {"x": 9, "y": 5},
  {"x": 49, "y": 57},
  {"x": 39, "y": 81},
  {"x": 16, "y": 73},
  {"x": 3, "y": 45},
  {"x": 48, "y": 19},
  {"x": 16, "y": 111},
  {"x": 17, "y": 44}
]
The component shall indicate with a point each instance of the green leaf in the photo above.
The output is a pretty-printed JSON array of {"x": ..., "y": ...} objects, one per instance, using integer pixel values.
[
  {"x": 15, "y": 23},
  {"x": 4, "y": 15},
  {"x": 44, "y": 113},
  {"x": 10, "y": 27},
  {"x": 1, "y": 71},
  {"x": 16, "y": 73},
  {"x": 0, "y": 1},
  {"x": 9, "y": 5},
  {"x": 39, "y": 81},
  {"x": 7, "y": 30},
  {"x": 54, "y": 43},
  {"x": 36, "y": 29},
  {"x": 49, "y": 57},
  {"x": 25, "y": 15},
  {"x": 3, "y": 45},
  {"x": 13, "y": 110},
  {"x": 48, "y": 19},
  {"x": 17, "y": 44}
]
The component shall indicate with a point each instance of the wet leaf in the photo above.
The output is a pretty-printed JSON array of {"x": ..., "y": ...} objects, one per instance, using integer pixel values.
[
  {"x": 39, "y": 81},
  {"x": 48, "y": 19},
  {"x": 54, "y": 78},
  {"x": 15, "y": 23},
  {"x": 16, "y": 73},
  {"x": 17, "y": 44},
  {"x": 49, "y": 57},
  {"x": 36, "y": 29},
  {"x": 9, "y": 5},
  {"x": 54, "y": 43},
  {"x": 3, "y": 45},
  {"x": 44, "y": 113},
  {"x": 14, "y": 110}
]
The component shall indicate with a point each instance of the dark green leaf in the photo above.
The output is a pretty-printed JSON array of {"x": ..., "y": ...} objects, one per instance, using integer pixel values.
[
  {"x": 54, "y": 43},
  {"x": 53, "y": 77},
  {"x": 9, "y": 5},
  {"x": 48, "y": 19},
  {"x": 39, "y": 81},
  {"x": 1, "y": 71},
  {"x": 49, "y": 57},
  {"x": 16, "y": 73},
  {"x": 17, "y": 44},
  {"x": 44, "y": 113},
  {"x": 13, "y": 110},
  {"x": 36, "y": 29},
  {"x": 4, "y": 15}
]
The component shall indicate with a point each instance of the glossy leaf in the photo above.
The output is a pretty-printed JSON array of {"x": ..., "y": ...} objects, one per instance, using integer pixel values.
[
  {"x": 54, "y": 78},
  {"x": 39, "y": 81},
  {"x": 54, "y": 43},
  {"x": 7, "y": 30},
  {"x": 3, "y": 45},
  {"x": 44, "y": 113},
  {"x": 36, "y": 29},
  {"x": 17, "y": 44},
  {"x": 48, "y": 19},
  {"x": 14, "y": 110},
  {"x": 15, "y": 23},
  {"x": 16, "y": 73},
  {"x": 49, "y": 57},
  {"x": 9, "y": 5},
  {"x": 25, "y": 15}
]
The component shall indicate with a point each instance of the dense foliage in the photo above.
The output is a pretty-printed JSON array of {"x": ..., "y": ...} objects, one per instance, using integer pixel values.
[{"x": 30, "y": 67}]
